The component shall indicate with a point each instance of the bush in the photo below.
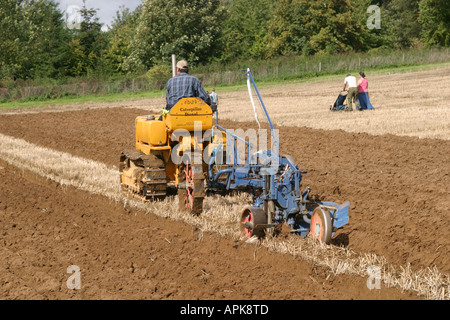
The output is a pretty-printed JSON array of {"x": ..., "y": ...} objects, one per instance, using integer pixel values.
[{"x": 158, "y": 76}]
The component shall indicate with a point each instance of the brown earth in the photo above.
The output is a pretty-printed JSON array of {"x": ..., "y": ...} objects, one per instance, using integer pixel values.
[
  {"x": 125, "y": 254},
  {"x": 398, "y": 188}
]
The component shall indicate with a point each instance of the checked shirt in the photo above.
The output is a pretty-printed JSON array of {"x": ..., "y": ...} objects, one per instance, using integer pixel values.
[{"x": 184, "y": 86}]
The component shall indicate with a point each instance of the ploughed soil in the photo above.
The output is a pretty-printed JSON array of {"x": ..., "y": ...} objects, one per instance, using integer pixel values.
[
  {"x": 125, "y": 254},
  {"x": 398, "y": 188}
]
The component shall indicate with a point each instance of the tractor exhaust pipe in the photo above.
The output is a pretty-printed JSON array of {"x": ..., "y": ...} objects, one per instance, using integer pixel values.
[{"x": 174, "y": 65}]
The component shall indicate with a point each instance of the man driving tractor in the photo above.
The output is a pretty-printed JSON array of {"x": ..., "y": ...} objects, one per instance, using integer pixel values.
[{"x": 184, "y": 85}]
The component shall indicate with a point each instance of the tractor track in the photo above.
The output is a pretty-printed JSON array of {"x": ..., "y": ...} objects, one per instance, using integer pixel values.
[{"x": 101, "y": 135}]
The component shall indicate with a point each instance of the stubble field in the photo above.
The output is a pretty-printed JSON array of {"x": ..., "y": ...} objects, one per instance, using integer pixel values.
[{"x": 60, "y": 205}]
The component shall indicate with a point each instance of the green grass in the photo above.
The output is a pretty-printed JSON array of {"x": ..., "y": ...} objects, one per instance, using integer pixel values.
[
  {"x": 266, "y": 83},
  {"x": 92, "y": 98}
]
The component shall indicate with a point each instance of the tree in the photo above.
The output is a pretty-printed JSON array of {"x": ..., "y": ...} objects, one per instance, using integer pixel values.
[
  {"x": 187, "y": 28},
  {"x": 434, "y": 17},
  {"x": 309, "y": 26},
  {"x": 85, "y": 52},
  {"x": 371, "y": 38},
  {"x": 32, "y": 38},
  {"x": 92, "y": 39},
  {"x": 10, "y": 37},
  {"x": 245, "y": 30},
  {"x": 75, "y": 58},
  {"x": 286, "y": 29},
  {"x": 333, "y": 27},
  {"x": 400, "y": 20},
  {"x": 120, "y": 34}
]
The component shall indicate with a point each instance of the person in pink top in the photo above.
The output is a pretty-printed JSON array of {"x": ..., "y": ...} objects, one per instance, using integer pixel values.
[{"x": 363, "y": 93}]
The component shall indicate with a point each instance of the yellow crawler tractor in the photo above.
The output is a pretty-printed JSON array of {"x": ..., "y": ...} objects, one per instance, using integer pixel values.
[
  {"x": 184, "y": 151},
  {"x": 150, "y": 172}
]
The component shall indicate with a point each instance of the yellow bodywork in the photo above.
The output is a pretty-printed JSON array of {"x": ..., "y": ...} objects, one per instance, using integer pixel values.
[
  {"x": 188, "y": 113},
  {"x": 173, "y": 154},
  {"x": 152, "y": 133},
  {"x": 154, "y": 136}
]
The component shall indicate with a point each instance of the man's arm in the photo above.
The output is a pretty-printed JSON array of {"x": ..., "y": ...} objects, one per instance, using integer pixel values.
[
  {"x": 169, "y": 86},
  {"x": 202, "y": 93}
]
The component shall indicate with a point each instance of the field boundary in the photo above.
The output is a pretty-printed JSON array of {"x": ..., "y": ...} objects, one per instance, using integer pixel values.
[
  {"x": 239, "y": 86},
  {"x": 411, "y": 108},
  {"x": 97, "y": 178}
]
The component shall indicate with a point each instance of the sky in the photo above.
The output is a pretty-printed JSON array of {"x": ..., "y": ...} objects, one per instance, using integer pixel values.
[{"x": 106, "y": 8}]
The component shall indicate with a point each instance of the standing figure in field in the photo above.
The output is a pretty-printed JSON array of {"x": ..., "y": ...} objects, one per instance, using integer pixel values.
[
  {"x": 183, "y": 85},
  {"x": 352, "y": 96},
  {"x": 363, "y": 93},
  {"x": 214, "y": 99}
]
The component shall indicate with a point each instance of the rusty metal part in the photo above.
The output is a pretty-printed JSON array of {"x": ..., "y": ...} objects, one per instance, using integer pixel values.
[
  {"x": 143, "y": 175},
  {"x": 191, "y": 187}
]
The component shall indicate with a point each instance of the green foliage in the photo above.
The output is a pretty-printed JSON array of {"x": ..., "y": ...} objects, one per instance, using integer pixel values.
[
  {"x": 400, "y": 20},
  {"x": 435, "y": 21},
  {"x": 75, "y": 58},
  {"x": 187, "y": 28},
  {"x": 158, "y": 76},
  {"x": 245, "y": 29},
  {"x": 32, "y": 39},
  {"x": 286, "y": 30},
  {"x": 374, "y": 38},
  {"x": 309, "y": 27},
  {"x": 85, "y": 52},
  {"x": 332, "y": 27},
  {"x": 215, "y": 36},
  {"x": 120, "y": 35}
]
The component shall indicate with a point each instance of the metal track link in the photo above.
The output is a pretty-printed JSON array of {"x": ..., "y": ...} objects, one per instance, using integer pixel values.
[
  {"x": 155, "y": 178},
  {"x": 153, "y": 182}
]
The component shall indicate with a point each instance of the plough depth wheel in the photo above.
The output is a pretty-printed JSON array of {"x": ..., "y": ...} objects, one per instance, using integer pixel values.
[
  {"x": 251, "y": 221},
  {"x": 321, "y": 226}
]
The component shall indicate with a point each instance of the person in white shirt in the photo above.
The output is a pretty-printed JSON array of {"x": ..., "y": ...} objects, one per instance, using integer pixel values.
[{"x": 352, "y": 96}]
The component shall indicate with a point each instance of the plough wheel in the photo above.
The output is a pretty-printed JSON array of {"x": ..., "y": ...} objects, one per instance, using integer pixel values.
[
  {"x": 321, "y": 226},
  {"x": 251, "y": 220}
]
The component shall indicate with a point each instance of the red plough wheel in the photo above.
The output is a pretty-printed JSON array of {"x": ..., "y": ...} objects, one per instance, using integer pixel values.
[
  {"x": 251, "y": 219},
  {"x": 321, "y": 226}
]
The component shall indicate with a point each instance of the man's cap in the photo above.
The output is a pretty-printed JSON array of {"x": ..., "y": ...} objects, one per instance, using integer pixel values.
[{"x": 182, "y": 64}]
